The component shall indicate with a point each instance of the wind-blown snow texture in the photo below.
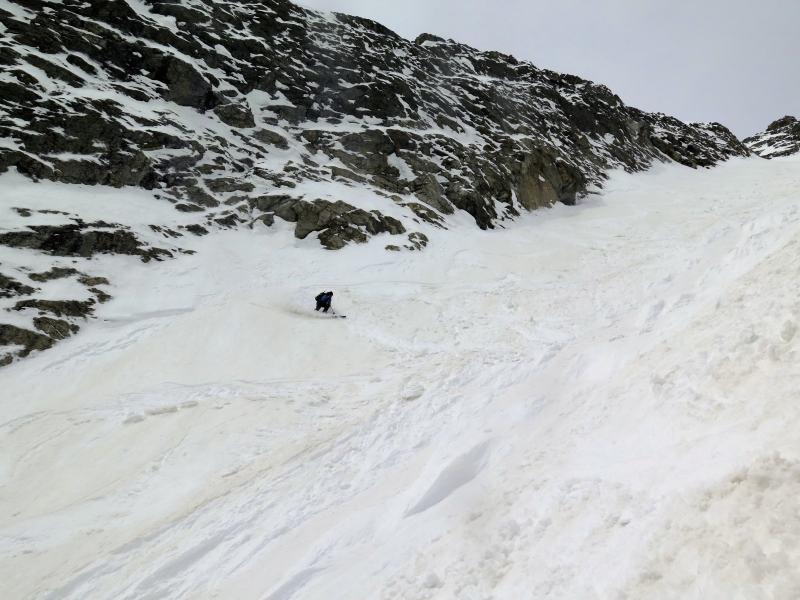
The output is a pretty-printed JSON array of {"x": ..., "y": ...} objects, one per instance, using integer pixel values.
[
  {"x": 782, "y": 138},
  {"x": 599, "y": 401},
  {"x": 594, "y": 400}
]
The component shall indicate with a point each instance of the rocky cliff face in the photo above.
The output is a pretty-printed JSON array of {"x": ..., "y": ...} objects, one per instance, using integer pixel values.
[
  {"x": 220, "y": 102},
  {"x": 782, "y": 138},
  {"x": 239, "y": 113}
]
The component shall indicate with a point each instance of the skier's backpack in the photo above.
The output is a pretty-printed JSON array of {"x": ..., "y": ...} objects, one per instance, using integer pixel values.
[{"x": 319, "y": 297}]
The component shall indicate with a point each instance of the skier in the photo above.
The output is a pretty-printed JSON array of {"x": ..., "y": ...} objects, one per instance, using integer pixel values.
[{"x": 324, "y": 301}]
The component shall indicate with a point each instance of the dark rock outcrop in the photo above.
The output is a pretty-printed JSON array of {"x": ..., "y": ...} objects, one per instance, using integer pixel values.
[
  {"x": 10, "y": 287},
  {"x": 782, "y": 138},
  {"x": 338, "y": 221},
  {"x": 50, "y": 329},
  {"x": 11, "y": 335},
  {"x": 60, "y": 308},
  {"x": 56, "y": 329},
  {"x": 270, "y": 137},
  {"x": 81, "y": 239},
  {"x": 417, "y": 241},
  {"x": 323, "y": 98},
  {"x": 197, "y": 230},
  {"x": 54, "y": 273},
  {"x": 90, "y": 281},
  {"x": 236, "y": 115},
  {"x": 101, "y": 296}
]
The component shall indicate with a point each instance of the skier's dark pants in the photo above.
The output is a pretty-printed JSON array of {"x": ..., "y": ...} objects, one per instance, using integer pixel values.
[{"x": 324, "y": 305}]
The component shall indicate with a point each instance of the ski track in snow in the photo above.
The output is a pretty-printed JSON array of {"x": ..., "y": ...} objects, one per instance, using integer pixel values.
[{"x": 599, "y": 401}]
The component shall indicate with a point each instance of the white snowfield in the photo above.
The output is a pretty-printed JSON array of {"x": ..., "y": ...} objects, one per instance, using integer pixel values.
[{"x": 600, "y": 401}]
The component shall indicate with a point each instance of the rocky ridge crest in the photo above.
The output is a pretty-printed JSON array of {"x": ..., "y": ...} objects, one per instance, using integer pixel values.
[
  {"x": 213, "y": 103},
  {"x": 782, "y": 138}
]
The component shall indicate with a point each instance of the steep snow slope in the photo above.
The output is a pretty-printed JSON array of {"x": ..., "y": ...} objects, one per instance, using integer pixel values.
[{"x": 599, "y": 401}]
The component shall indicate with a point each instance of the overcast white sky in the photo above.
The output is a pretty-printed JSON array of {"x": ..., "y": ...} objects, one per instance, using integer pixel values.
[{"x": 732, "y": 61}]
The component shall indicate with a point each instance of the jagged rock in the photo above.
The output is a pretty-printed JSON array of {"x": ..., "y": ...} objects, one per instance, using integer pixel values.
[
  {"x": 782, "y": 138},
  {"x": 10, "y": 287},
  {"x": 57, "y": 329},
  {"x": 197, "y": 230},
  {"x": 86, "y": 128},
  {"x": 267, "y": 203},
  {"x": 534, "y": 175},
  {"x": 189, "y": 208},
  {"x": 75, "y": 240},
  {"x": 11, "y": 335},
  {"x": 22, "y": 212},
  {"x": 54, "y": 71},
  {"x": 342, "y": 222},
  {"x": 60, "y": 308},
  {"x": 267, "y": 219},
  {"x": 418, "y": 241},
  {"x": 89, "y": 281},
  {"x": 272, "y": 138},
  {"x": 84, "y": 66},
  {"x": 228, "y": 184},
  {"x": 53, "y": 330},
  {"x": 354, "y": 225},
  {"x": 166, "y": 231},
  {"x": 235, "y": 115},
  {"x": 426, "y": 214},
  {"x": 429, "y": 190},
  {"x": 228, "y": 221},
  {"x": 199, "y": 196},
  {"x": 185, "y": 85},
  {"x": 542, "y": 180},
  {"x": 278, "y": 180},
  {"x": 54, "y": 273},
  {"x": 347, "y": 174},
  {"x": 101, "y": 296}
]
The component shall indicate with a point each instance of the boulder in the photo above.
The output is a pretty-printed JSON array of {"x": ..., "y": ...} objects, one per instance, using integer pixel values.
[
  {"x": 228, "y": 184},
  {"x": 235, "y": 115},
  {"x": 185, "y": 86},
  {"x": 57, "y": 329},
  {"x": 270, "y": 137},
  {"x": 11, "y": 335},
  {"x": 54, "y": 273}
]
